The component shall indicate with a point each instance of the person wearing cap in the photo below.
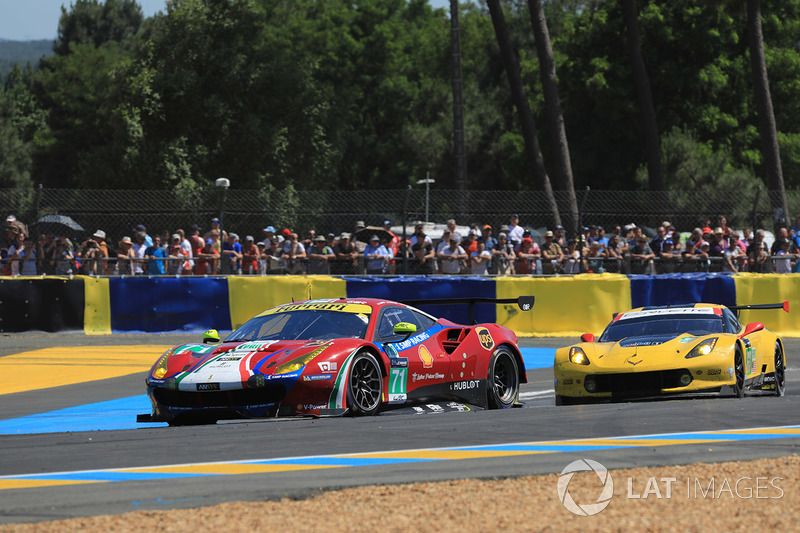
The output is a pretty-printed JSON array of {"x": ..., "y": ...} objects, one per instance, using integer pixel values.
[
  {"x": 451, "y": 256},
  {"x": 206, "y": 262},
  {"x": 269, "y": 234},
  {"x": 320, "y": 256},
  {"x": 558, "y": 236},
  {"x": 176, "y": 256},
  {"x": 377, "y": 256},
  {"x": 140, "y": 228},
  {"x": 552, "y": 254},
  {"x": 669, "y": 259},
  {"x": 250, "y": 256},
  {"x": 294, "y": 253},
  {"x": 642, "y": 256},
  {"x": 125, "y": 256},
  {"x": 62, "y": 259},
  {"x": 423, "y": 256},
  {"x": 419, "y": 230},
  {"x": 757, "y": 253},
  {"x": 718, "y": 246},
  {"x": 527, "y": 257},
  {"x": 231, "y": 255},
  {"x": 354, "y": 238},
  {"x": 346, "y": 256},
  {"x": 515, "y": 231},
  {"x": 99, "y": 237},
  {"x": 187, "y": 267},
  {"x": 503, "y": 256}
]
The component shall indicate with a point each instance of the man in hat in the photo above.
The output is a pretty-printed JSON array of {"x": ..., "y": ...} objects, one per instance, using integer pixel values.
[
  {"x": 360, "y": 245},
  {"x": 319, "y": 256},
  {"x": 250, "y": 256},
  {"x": 642, "y": 256},
  {"x": 377, "y": 256},
  {"x": 346, "y": 256},
  {"x": 552, "y": 255},
  {"x": 451, "y": 256}
]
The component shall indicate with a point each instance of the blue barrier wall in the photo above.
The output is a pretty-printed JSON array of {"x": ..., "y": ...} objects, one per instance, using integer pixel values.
[{"x": 675, "y": 289}]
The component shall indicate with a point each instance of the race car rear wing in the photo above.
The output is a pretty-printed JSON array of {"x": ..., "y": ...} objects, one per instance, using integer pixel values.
[
  {"x": 525, "y": 303},
  {"x": 737, "y": 308}
]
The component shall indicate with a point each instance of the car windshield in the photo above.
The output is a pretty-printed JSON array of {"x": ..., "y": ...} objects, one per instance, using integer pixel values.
[
  {"x": 663, "y": 325},
  {"x": 303, "y": 325}
]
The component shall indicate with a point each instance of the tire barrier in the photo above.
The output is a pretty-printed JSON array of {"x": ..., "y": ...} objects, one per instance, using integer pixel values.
[{"x": 565, "y": 305}]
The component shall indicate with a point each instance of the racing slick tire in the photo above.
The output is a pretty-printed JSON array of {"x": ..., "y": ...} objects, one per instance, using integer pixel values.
[
  {"x": 364, "y": 385},
  {"x": 780, "y": 372},
  {"x": 502, "y": 383},
  {"x": 738, "y": 372}
]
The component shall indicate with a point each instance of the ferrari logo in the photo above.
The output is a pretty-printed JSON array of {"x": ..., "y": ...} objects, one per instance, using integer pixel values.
[
  {"x": 426, "y": 357},
  {"x": 486, "y": 338}
]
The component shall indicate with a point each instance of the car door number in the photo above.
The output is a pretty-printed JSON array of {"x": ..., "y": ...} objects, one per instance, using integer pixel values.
[{"x": 397, "y": 385}]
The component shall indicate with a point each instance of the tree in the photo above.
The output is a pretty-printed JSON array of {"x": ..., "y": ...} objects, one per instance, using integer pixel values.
[
  {"x": 96, "y": 23},
  {"x": 552, "y": 105},
  {"x": 649, "y": 125},
  {"x": 766, "y": 116},
  {"x": 520, "y": 98}
]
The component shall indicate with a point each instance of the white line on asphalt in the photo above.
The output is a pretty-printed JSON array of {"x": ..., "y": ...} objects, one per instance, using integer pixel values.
[{"x": 535, "y": 394}]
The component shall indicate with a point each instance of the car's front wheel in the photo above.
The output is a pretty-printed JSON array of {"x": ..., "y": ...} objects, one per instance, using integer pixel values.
[
  {"x": 502, "y": 379},
  {"x": 364, "y": 385}
]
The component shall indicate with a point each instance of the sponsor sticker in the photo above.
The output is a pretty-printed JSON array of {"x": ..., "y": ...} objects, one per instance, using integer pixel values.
[
  {"x": 207, "y": 386},
  {"x": 426, "y": 357},
  {"x": 318, "y": 377},
  {"x": 486, "y": 339},
  {"x": 327, "y": 366}
]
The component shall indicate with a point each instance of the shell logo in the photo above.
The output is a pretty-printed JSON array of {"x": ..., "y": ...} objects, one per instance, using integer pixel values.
[{"x": 426, "y": 357}]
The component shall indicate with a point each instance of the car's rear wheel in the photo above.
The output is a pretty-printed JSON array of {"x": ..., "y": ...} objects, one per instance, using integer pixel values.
[
  {"x": 364, "y": 385},
  {"x": 780, "y": 371},
  {"x": 738, "y": 371},
  {"x": 502, "y": 379}
]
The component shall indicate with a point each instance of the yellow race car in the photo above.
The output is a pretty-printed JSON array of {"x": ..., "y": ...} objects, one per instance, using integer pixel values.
[{"x": 656, "y": 351}]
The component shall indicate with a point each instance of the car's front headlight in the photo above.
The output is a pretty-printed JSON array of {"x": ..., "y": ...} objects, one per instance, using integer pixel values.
[
  {"x": 160, "y": 368},
  {"x": 578, "y": 356},
  {"x": 704, "y": 348}
]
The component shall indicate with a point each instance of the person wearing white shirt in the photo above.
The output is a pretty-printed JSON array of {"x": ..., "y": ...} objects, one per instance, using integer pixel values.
[{"x": 515, "y": 231}]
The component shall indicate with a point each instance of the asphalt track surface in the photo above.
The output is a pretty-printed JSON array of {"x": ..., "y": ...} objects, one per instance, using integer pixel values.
[{"x": 48, "y": 472}]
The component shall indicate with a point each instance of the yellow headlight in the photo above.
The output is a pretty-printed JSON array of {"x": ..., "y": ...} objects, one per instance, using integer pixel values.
[{"x": 578, "y": 356}]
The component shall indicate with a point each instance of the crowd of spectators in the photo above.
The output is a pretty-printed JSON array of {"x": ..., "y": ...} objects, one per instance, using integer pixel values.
[{"x": 514, "y": 251}]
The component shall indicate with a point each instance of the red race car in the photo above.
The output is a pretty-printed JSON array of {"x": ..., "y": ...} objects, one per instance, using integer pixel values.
[{"x": 353, "y": 356}]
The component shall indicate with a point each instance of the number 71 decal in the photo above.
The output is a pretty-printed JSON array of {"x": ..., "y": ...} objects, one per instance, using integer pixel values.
[{"x": 397, "y": 385}]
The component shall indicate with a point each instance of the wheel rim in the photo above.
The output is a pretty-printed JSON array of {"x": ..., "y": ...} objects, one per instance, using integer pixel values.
[
  {"x": 365, "y": 383},
  {"x": 779, "y": 370},
  {"x": 504, "y": 379}
]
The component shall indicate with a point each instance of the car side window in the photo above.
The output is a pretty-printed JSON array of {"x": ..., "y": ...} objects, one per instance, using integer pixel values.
[
  {"x": 731, "y": 322},
  {"x": 392, "y": 316}
]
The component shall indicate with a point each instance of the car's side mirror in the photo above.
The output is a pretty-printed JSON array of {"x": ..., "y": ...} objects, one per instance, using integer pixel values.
[
  {"x": 587, "y": 337},
  {"x": 752, "y": 327},
  {"x": 210, "y": 336},
  {"x": 404, "y": 328}
]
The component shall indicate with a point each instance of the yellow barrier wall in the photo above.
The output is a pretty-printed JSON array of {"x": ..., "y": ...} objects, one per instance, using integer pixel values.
[
  {"x": 249, "y": 296},
  {"x": 754, "y": 289},
  {"x": 97, "y": 313},
  {"x": 568, "y": 306}
]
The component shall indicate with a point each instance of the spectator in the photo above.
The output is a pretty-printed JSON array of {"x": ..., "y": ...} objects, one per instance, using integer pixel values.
[
  {"x": 262, "y": 257},
  {"x": 658, "y": 240},
  {"x": 61, "y": 259},
  {"x": 593, "y": 259},
  {"x": 346, "y": 256},
  {"x": 45, "y": 246},
  {"x": 445, "y": 242},
  {"x": 217, "y": 235},
  {"x": 250, "y": 256},
  {"x": 558, "y": 237},
  {"x": 99, "y": 237},
  {"x": 514, "y": 230},
  {"x": 734, "y": 260},
  {"x": 360, "y": 245},
  {"x": 187, "y": 266},
  {"x": 527, "y": 256},
  {"x": 757, "y": 253},
  {"x": 642, "y": 257},
  {"x": 156, "y": 256},
  {"x": 784, "y": 260},
  {"x": 377, "y": 256},
  {"x": 693, "y": 243},
  {"x": 503, "y": 256},
  {"x": 232, "y": 255},
  {"x": 89, "y": 257},
  {"x": 12, "y": 228},
  {"x": 308, "y": 242},
  {"x": 206, "y": 262},
  {"x": 424, "y": 256},
  {"x": 470, "y": 245},
  {"x": 451, "y": 256},
  {"x": 23, "y": 256},
  {"x": 615, "y": 253},
  {"x": 294, "y": 253},
  {"x": 418, "y": 229},
  {"x": 177, "y": 262},
  {"x": 552, "y": 255},
  {"x": 141, "y": 229},
  {"x": 275, "y": 264},
  {"x": 139, "y": 251},
  {"x": 783, "y": 235},
  {"x": 269, "y": 234},
  {"x": 125, "y": 256},
  {"x": 319, "y": 256},
  {"x": 480, "y": 259},
  {"x": 668, "y": 260},
  {"x": 195, "y": 240},
  {"x": 572, "y": 257}
]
